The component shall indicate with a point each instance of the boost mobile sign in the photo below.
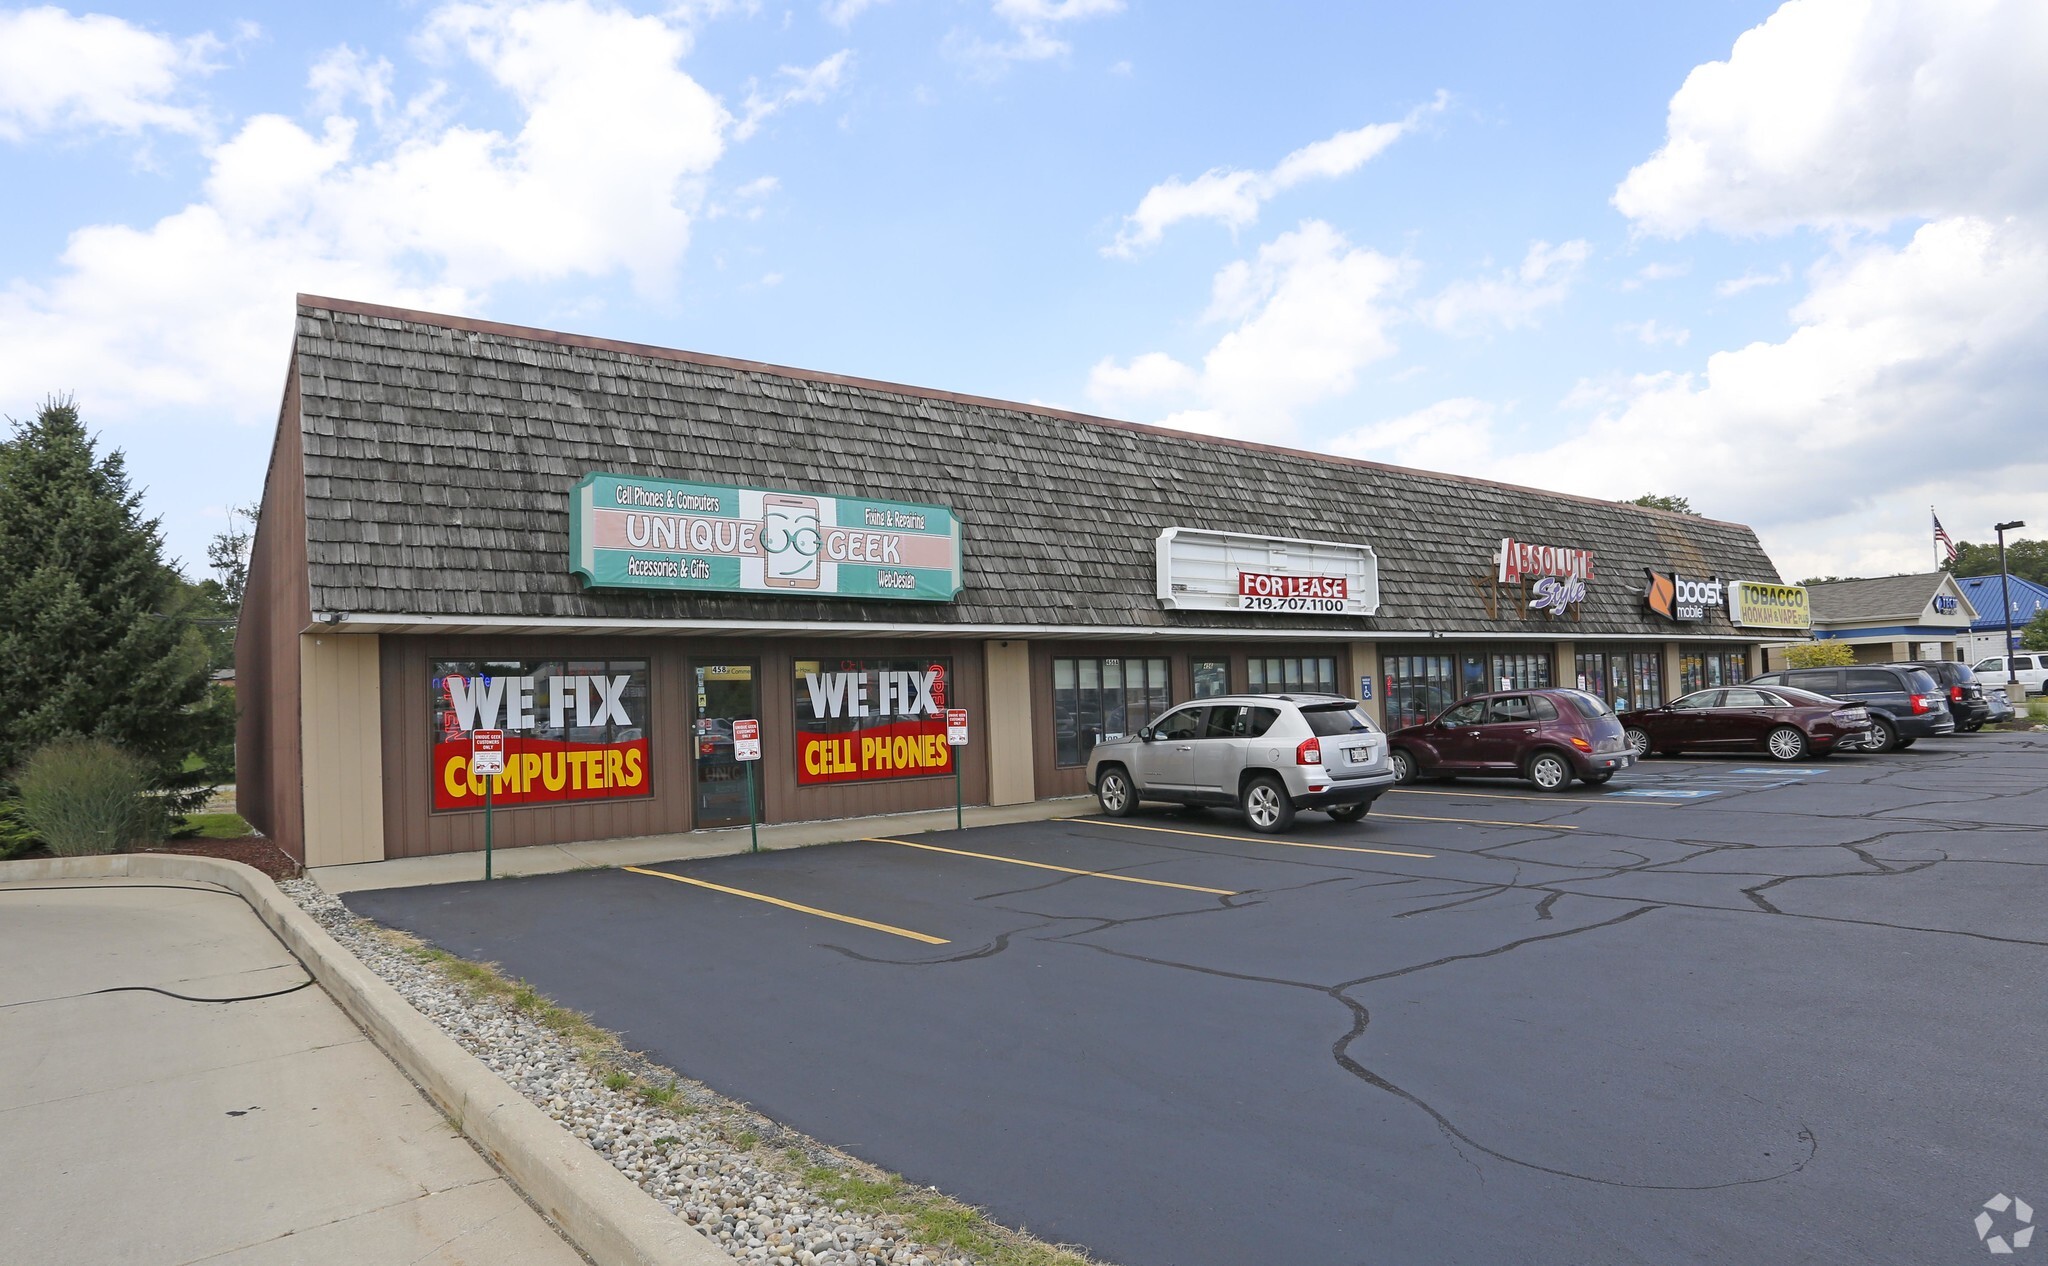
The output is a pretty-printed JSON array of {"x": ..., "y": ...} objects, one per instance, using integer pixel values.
[
  {"x": 627, "y": 532},
  {"x": 1684, "y": 599}
]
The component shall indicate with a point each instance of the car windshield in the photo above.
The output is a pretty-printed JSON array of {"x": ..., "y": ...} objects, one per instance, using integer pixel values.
[{"x": 1325, "y": 719}]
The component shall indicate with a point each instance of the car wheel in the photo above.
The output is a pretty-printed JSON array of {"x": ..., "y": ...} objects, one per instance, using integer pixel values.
[
  {"x": 1550, "y": 771},
  {"x": 1785, "y": 743},
  {"x": 1113, "y": 790},
  {"x": 1404, "y": 765},
  {"x": 1973, "y": 727},
  {"x": 1351, "y": 812},
  {"x": 1595, "y": 780},
  {"x": 1266, "y": 805},
  {"x": 1884, "y": 736},
  {"x": 1638, "y": 741}
]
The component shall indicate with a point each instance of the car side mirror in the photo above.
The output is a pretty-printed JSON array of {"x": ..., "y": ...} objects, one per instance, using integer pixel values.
[{"x": 1145, "y": 735}]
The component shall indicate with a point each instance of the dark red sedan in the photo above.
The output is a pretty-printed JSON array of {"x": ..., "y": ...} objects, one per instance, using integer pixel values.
[
  {"x": 1784, "y": 723},
  {"x": 1546, "y": 736}
]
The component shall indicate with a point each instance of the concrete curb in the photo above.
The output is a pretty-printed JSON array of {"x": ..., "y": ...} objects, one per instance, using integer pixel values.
[{"x": 596, "y": 1206}]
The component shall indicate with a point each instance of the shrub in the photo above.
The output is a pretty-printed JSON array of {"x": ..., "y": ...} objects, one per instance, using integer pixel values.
[
  {"x": 16, "y": 836},
  {"x": 1819, "y": 655},
  {"x": 86, "y": 796}
]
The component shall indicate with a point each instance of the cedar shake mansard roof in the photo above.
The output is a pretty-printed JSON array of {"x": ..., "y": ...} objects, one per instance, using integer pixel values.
[{"x": 439, "y": 453}]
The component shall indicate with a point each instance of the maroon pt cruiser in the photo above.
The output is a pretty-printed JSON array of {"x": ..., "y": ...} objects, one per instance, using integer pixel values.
[{"x": 1546, "y": 736}]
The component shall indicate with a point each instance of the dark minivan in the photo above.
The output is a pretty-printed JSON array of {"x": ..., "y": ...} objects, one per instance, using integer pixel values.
[
  {"x": 1905, "y": 704},
  {"x": 1966, "y": 700}
]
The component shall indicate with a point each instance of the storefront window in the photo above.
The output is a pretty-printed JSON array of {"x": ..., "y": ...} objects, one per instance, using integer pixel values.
[
  {"x": 867, "y": 720},
  {"x": 574, "y": 730},
  {"x": 1418, "y": 687},
  {"x": 1094, "y": 697},
  {"x": 1624, "y": 678},
  {"x": 1701, "y": 668},
  {"x": 1286, "y": 676},
  {"x": 1212, "y": 678},
  {"x": 1520, "y": 670}
]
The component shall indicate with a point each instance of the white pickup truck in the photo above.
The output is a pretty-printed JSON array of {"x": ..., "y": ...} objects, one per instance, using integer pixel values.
[{"x": 2032, "y": 671}]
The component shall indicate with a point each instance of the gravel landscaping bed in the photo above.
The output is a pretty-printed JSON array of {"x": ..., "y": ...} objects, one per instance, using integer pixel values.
[{"x": 762, "y": 1192}]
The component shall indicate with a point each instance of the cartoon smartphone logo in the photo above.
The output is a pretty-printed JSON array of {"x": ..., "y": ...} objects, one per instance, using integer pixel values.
[{"x": 791, "y": 541}]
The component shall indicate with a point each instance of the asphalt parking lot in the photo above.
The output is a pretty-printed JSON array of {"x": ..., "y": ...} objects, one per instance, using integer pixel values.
[{"x": 1718, "y": 1010}]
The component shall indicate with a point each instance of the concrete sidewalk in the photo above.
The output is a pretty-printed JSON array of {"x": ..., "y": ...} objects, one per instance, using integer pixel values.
[
  {"x": 139, "y": 1127},
  {"x": 551, "y": 859}
]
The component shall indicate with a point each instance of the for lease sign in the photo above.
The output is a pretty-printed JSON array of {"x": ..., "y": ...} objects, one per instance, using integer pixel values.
[{"x": 626, "y": 532}]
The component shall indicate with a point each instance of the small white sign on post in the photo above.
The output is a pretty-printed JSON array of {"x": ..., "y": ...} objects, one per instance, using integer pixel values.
[
  {"x": 956, "y": 727},
  {"x": 486, "y": 752},
  {"x": 746, "y": 740}
]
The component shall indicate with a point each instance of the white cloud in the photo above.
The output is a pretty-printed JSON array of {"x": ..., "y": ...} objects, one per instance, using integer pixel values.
[
  {"x": 759, "y": 187},
  {"x": 1649, "y": 274},
  {"x": 1856, "y": 112},
  {"x": 1652, "y": 333},
  {"x": 60, "y": 72},
  {"x": 1442, "y": 436},
  {"x": 1032, "y": 24},
  {"x": 602, "y": 178},
  {"x": 841, "y": 13},
  {"x": 1512, "y": 299},
  {"x": 1310, "y": 310},
  {"x": 1912, "y": 368},
  {"x": 343, "y": 76},
  {"x": 1233, "y": 197},
  {"x": 802, "y": 85},
  {"x": 1751, "y": 279}
]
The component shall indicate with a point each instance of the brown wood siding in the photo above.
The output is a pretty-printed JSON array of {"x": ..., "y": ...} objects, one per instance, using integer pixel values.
[
  {"x": 1056, "y": 780},
  {"x": 276, "y": 607},
  {"x": 412, "y": 828}
]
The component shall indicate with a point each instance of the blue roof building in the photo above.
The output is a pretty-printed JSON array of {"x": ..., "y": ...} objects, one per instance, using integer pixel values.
[{"x": 2028, "y": 601}]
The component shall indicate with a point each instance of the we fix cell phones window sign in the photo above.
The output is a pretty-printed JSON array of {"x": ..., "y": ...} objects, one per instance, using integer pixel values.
[{"x": 627, "y": 532}]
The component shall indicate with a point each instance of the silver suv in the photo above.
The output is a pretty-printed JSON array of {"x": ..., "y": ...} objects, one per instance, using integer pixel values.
[{"x": 1268, "y": 754}]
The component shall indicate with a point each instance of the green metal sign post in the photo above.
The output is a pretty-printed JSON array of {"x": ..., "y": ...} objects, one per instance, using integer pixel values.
[
  {"x": 487, "y": 759},
  {"x": 746, "y": 749},
  {"x": 956, "y": 738}
]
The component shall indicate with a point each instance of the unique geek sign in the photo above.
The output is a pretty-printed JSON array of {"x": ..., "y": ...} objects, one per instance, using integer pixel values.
[
  {"x": 626, "y": 532},
  {"x": 864, "y": 720},
  {"x": 1759, "y": 604},
  {"x": 1559, "y": 573},
  {"x": 1230, "y": 571},
  {"x": 539, "y": 732},
  {"x": 1683, "y": 599}
]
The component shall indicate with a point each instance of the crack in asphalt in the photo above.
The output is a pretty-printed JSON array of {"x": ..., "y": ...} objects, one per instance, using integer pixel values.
[{"x": 1866, "y": 865}]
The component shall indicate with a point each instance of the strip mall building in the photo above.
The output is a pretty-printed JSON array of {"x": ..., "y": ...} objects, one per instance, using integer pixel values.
[{"x": 612, "y": 552}]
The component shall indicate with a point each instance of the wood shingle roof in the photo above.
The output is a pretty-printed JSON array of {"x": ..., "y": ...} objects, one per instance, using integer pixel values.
[{"x": 440, "y": 452}]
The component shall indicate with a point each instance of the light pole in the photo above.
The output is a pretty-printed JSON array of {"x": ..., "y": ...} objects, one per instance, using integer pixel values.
[{"x": 2012, "y": 676}]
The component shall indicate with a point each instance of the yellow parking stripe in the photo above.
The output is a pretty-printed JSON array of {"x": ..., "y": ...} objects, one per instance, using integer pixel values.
[
  {"x": 1494, "y": 795},
  {"x": 1251, "y": 839},
  {"x": 1065, "y": 870},
  {"x": 791, "y": 905}
]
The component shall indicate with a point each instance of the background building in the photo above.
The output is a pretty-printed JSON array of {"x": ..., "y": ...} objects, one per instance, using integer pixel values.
[
  {"x": 1987, "y": 598},
  {"x": 1893, "y": 618}
]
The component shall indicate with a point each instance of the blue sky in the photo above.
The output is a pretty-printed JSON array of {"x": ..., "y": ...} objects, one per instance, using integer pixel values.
[{"x": 1786, "y": 261}]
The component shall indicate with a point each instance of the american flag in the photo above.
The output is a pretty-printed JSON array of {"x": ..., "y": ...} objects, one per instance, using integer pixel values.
[{"x": 1941, "y": 537}]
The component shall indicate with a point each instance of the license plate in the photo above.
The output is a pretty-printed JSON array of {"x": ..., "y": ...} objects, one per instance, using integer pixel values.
[{"x": 1358, "y": 755}]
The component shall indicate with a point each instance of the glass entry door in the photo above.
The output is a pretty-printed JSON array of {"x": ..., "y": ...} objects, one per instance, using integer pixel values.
[{"x": 724, "y": 693}]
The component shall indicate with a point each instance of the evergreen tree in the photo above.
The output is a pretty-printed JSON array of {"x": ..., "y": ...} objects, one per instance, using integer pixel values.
[
  {"x": 92, "y": 627},
  {"x": 1658, "y": 501}
]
